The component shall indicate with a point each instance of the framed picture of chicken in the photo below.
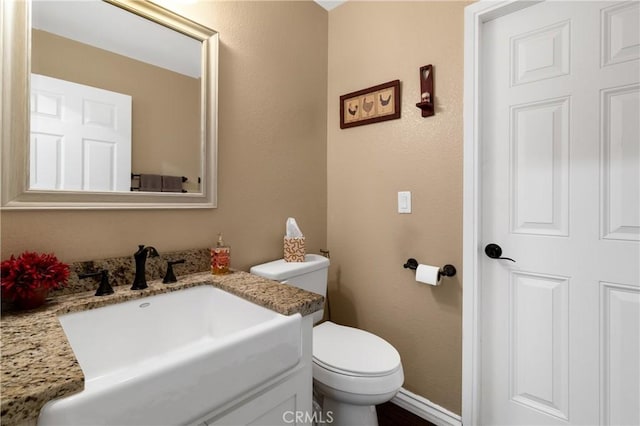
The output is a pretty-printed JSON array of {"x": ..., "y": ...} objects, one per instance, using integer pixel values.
[{"x": 372, "y": 105}]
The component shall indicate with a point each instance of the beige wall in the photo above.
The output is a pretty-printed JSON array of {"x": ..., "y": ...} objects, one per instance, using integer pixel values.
[
  {"x": 165, "y": 129},
  {"x": 372, "y": 43},
  {"x": 272, "y": 149}
]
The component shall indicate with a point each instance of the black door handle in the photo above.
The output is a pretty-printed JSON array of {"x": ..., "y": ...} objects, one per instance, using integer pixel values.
[{"x": 494, "y": 251}]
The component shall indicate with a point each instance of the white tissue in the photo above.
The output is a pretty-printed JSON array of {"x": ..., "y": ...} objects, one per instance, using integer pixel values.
[
  {"x": 428, "y": 274},
  {"x": 293, "y": 231}
]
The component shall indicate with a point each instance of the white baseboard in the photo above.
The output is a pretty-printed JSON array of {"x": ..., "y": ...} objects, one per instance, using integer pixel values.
[{"x": 426, "y": 409}]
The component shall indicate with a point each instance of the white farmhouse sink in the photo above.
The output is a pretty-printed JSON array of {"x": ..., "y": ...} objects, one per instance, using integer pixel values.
[{"x": 171, "y": 358}]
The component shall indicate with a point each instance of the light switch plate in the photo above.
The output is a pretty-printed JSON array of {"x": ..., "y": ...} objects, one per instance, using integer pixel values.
[{"x": 404, "y": 202}]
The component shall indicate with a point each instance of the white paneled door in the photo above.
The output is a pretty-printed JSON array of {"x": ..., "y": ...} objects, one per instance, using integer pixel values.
[
  {"x": 560, "y": 110},
  {"x": 80, "y": 137}
]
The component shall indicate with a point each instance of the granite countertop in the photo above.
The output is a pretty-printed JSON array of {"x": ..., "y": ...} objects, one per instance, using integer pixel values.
[{"x": 38, "y": 363}]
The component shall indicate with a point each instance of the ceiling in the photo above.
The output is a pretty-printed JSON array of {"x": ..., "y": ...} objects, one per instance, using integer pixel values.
[
  {"x": 329, "y": 4},
  {"x": 102, "y": 25}
]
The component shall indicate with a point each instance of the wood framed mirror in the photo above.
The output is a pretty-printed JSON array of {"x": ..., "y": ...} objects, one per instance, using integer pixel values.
[{"x": 156, "y": 141}]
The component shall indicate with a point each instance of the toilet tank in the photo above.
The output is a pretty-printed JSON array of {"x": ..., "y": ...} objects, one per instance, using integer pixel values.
[{"x": 310, "y": 275}]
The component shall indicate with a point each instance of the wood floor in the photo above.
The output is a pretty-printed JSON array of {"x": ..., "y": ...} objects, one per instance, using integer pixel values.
[{"x": 389, "y": 414}]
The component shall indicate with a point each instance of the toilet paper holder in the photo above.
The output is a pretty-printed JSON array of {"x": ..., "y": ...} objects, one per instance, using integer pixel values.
[{"x": 445, "y": 271}]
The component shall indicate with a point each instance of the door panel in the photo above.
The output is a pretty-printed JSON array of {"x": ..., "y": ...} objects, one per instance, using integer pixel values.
[
  {"x": 539, "y": 349},
  {"x": 540, "y": 167},
  {"x": 620, "y": 33},
  {"x": 620, "y": 174},
  {"x": 540, "y": 54},
  {"x": 99, "y": 164},
  {"x": 620, "y": 355},
  {"x": 46, "y": 160}
]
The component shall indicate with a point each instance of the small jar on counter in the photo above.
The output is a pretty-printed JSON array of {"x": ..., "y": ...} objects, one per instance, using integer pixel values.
[{"x": 220, "y": 257}]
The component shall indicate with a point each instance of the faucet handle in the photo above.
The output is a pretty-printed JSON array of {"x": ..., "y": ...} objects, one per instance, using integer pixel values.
[
  {"x": 104, "y": 288},
  {"x": 170, "y": 277}
]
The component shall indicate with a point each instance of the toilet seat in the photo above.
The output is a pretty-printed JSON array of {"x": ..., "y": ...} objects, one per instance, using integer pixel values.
[
  {"x": 355, "y": 361},
  {"x": 353, "y": 352}
]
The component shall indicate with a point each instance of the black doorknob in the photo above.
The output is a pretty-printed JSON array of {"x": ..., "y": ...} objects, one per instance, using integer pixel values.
[{"x": 494, "y": 251}]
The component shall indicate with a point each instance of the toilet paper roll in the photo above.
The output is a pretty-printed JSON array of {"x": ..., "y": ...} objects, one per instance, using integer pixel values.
[{"x": 428, "y": 274}]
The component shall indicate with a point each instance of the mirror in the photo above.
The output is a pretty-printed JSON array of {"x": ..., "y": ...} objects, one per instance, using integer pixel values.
[{"x": 161, "y": 89}]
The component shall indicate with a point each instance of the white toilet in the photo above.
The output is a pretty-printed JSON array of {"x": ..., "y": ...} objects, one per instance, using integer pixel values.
[{"x": 353, "y": 370}]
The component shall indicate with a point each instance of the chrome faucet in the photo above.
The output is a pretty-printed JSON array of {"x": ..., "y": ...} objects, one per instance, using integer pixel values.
[{"x": 140, "y": 281}]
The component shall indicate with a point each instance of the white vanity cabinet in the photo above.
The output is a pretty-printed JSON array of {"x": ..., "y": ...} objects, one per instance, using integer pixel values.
[
  {"x": 215, "y": 359},
  {"x": 285, "y": 400}
]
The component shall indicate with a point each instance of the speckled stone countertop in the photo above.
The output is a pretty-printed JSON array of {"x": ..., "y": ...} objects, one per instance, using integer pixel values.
[{"x": 37, "y": 361}]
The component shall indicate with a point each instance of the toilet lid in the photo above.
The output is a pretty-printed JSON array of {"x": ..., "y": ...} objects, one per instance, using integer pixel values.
[{"x": 352, "y": 351}]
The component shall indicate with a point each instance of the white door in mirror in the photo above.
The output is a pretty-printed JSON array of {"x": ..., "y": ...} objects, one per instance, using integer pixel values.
[{"x": 80, "y": 137}]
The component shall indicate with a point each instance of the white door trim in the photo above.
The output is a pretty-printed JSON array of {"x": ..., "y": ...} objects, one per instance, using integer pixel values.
[{"x": 475, "y": 17}]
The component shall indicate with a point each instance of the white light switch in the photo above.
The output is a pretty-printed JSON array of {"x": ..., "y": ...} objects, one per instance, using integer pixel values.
[{"x": 404, "y": 202}]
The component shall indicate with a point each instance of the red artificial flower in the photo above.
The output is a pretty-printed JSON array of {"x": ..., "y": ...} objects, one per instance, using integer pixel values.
[{"x": 24, "y": 276}]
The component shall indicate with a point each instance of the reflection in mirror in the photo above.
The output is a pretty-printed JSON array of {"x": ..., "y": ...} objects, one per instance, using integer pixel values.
[
  {"x": 112, "y": 94},
  {"x": 106, "y": 108}
]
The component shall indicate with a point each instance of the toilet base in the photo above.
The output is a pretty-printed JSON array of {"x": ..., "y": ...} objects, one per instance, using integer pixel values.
[
  {"x": 348, "y": 414},
  {"x": 341, "y": 408}
]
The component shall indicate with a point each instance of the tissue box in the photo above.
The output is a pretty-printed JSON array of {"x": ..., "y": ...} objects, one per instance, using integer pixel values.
[{"x": 294, "y": 249}]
